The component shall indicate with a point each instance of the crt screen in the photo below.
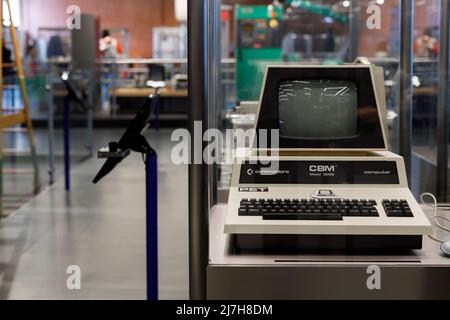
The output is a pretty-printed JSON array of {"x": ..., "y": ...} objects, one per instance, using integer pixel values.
[{"x": 318, "y": 109}]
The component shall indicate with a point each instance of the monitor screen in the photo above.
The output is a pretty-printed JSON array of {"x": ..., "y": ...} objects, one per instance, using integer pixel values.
[
  {"x": 318, "y": 109},
  {"x": 322, "y": 107}
]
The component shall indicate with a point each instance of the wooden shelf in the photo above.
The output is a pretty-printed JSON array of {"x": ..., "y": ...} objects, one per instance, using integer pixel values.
[{"x": 145, "y": 92}]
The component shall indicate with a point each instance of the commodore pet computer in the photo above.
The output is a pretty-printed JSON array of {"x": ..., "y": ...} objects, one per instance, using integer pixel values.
[{"x": 337, "y": 186}]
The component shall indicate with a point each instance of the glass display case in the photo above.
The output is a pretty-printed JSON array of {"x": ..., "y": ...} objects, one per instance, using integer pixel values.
[
  {"x": 309, "y": 36},
  {"x": 407, "y": 39}
]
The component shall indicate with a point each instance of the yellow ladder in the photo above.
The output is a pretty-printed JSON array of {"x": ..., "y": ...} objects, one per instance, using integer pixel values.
[{"x": 15, "y": 120}]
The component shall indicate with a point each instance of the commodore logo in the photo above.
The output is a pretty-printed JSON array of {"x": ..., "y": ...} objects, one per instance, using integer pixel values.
[
  {"x": 321, "y": 168},
  {"x": 267, "y": 172}
]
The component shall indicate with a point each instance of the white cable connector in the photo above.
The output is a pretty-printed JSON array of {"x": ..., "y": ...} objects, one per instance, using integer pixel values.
[{"x": 435, "y": 217}]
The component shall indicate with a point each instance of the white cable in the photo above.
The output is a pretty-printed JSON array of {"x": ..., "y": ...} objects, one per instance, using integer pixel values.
[{"x": 435, "y": 217}]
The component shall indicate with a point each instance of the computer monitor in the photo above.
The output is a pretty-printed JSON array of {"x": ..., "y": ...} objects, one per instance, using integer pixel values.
[{"x": 324, "y": 108}]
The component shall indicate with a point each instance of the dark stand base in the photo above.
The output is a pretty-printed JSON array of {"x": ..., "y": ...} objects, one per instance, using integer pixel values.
[{"x": 348, "y": 243}]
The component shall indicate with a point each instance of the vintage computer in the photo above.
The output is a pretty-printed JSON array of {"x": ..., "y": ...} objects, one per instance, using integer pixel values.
[{"x": 336, "y": 186}]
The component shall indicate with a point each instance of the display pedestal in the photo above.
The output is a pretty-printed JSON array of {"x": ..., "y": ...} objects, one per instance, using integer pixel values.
[
  {"x": 66, "y": 128},
  {"x": 419, "y": 274},
  {"x": 151, "y": 182},
  {"x": 151, "y": 213}
]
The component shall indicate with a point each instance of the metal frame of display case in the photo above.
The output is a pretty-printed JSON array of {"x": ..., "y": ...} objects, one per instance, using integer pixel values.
[
  {"x": 204, "y": 36},
  {"x": 444, "y": 104},
  {"x": 406, "y": 68}
]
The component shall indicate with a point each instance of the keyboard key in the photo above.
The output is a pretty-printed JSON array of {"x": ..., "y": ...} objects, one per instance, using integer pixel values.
[
  {"x": 254, "y": 212},
  {"x": 395, "y": 213},
  {"x": 242, "y": 211},
  {"x": 303, "y": 216},
  {"x": 408, "y": 214}
]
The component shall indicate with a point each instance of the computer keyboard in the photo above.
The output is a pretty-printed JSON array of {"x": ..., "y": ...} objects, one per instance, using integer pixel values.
[{"x": 318, "y": 209}]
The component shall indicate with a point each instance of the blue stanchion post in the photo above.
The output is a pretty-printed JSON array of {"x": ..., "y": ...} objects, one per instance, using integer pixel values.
[
  {"x": 134, "y": 140},
  {"x": 151, "y": 169},
  {"x": 158, "y": 115},
  {"x": 66, "y": 124}
]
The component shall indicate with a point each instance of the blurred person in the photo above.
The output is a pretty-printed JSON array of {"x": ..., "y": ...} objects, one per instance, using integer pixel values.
[
  {"x": 110, "y": 48},
  {"x": 7, "y": 61},
  {"x": 426, "y": 46}
]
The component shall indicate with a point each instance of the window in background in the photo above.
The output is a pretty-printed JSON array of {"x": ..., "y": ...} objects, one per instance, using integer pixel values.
[{"x": 15, "y": 11}]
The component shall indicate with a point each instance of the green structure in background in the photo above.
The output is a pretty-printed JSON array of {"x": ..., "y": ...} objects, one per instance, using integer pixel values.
[
  {"x": 258, "y": 44},
  {"x": 322, "y": 10},
  {"x": 259, "y": 41}
]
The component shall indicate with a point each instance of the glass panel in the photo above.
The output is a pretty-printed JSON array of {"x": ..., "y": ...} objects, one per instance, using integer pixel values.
[
  {"x": 425, "y": 95},
  {"x": 259, "y": 33}
]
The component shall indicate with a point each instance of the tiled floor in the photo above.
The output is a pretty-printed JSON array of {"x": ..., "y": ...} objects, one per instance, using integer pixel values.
[{"x": 99, "y": 228}]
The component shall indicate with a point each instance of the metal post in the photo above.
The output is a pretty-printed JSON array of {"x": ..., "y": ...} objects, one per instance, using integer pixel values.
[
  {"x": 354, "y": 30},
  {"x": 406, "y": 73},
  {"x": 90, "y": 114},
  {"x": 66, "y": 123},
  {"x": 198, "y": 172},
  {"x": 1, "y": 112},
  {"x": 214, "y": 89},
  {"x": 51, "y": 130},
  {"x": 113, "y": 87},
  {"x": 151, "y": 172},
  {"x": 158, "y": 115},
  {"x": 444, "y": 104}
]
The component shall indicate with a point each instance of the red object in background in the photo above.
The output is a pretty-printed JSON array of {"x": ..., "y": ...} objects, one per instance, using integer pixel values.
[
  {"x": 224, "y": 15},
  {"x": 426, "y": 46},
  {"x": 119, "y": 48}
]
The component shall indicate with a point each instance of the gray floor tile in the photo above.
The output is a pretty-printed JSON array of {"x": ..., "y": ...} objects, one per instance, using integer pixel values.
[{"x": 99, "y": 228}]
